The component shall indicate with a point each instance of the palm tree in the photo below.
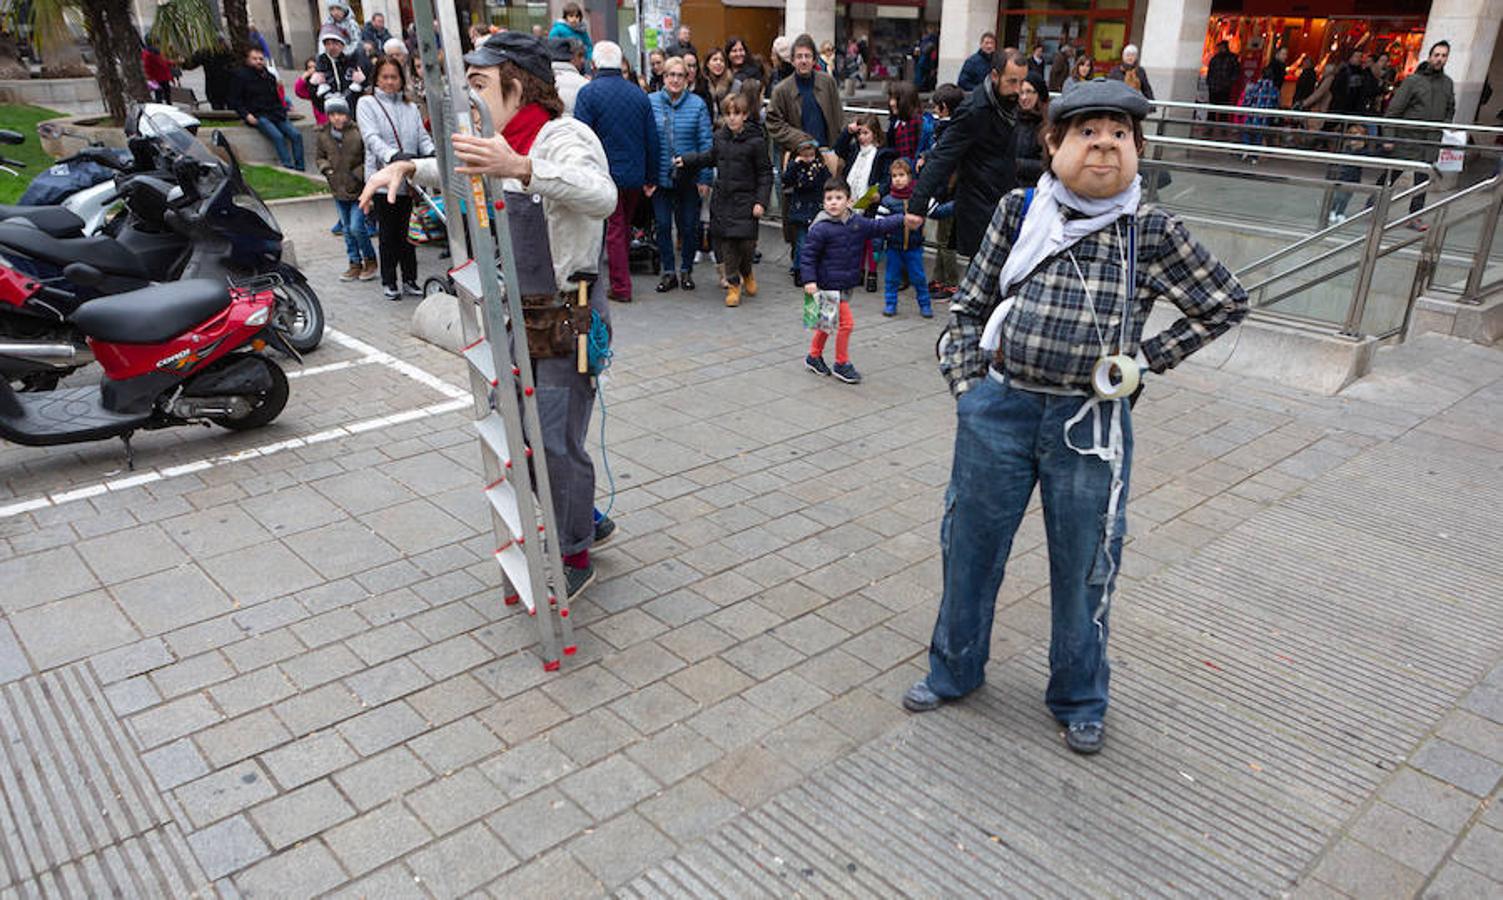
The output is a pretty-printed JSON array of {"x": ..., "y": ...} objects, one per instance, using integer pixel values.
[{"x": 183, "y": 28}]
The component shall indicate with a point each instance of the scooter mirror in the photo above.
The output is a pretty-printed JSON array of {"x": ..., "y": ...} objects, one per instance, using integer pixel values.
[
  {"x": 11, "y": 137},
  {"x": 83, "y": 274}
]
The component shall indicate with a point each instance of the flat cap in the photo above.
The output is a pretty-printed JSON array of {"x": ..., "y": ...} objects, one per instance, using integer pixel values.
[
  {"x": 1099, "y": 96},
  {"x": 528, "y": 53}
]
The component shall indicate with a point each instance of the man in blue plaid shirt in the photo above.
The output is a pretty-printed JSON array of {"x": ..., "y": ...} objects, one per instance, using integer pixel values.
[{"x": 1043, "y": 348}]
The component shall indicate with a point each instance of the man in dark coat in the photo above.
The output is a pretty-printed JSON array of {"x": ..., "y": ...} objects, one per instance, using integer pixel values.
[
  {"x": 1355, "y": 87},
  {"x": 1427, "y": 95},
  {"x": 621, "y": 116},
  {"x": 254, "y": 97},
  {"x": 978, "y": 65},
  {"x": 979, "y": 146},
  {"x": 375, "y": 32}
]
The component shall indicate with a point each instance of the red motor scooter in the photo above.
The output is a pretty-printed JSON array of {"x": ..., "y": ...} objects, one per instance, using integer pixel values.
[{"x": 188, "y": 352}]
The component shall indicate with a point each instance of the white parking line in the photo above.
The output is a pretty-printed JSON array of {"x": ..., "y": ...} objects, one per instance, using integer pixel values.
[
  {"x": 459, "y": 398},
  {"x": 406, "y": 368},
  {"x": 332, "y": 367},
  {"x": 139, "y": 478}
]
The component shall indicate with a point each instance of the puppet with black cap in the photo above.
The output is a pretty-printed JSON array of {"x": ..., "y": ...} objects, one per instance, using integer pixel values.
[
  {"x": 559, "y": 192},
  {"x": 1044, "y": 350}
]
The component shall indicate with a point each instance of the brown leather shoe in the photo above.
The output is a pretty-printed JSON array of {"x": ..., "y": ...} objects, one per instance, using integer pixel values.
[
  {"x": 352, "y": 273},
  {"x": 369, "y": 270}
]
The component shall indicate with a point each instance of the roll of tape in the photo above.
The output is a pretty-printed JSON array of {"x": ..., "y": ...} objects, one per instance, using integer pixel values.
[{"x": 1115, "y": 377}]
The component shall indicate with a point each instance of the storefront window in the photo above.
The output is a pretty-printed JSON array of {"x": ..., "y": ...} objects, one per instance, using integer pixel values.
[
  {"x": 1101, "y": 25},
  {"x": 1327, "y": 41}
]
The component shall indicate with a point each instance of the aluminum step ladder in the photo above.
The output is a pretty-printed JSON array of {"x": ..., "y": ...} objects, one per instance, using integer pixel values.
[{"x": 501, "y": 379}]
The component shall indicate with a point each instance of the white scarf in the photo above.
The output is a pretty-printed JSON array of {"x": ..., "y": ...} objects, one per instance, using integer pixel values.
[
  {"x": 1046, "y": 232},
  {"x": 861, "y": 171}
]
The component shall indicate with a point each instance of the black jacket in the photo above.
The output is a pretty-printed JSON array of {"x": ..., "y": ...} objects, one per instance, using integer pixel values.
[
  {"x": 743, "y": 178},
  {"x": 339, "y": 78},
  {"x": 979, "y": 147},
  {"x": 1030, "y": 151},
  {"x": 1222, "y": 73},
  {"x": 254, "y": 92},
  {"x": 1354, "y": 90}
]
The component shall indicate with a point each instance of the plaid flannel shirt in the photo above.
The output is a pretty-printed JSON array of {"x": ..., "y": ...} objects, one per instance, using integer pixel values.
[{"x": 1051, "y": 338}]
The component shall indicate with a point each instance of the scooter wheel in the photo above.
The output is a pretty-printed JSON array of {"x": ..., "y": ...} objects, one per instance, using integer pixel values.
[
  {"x": 269, "y": 405},
  {"x": 435, "y": 285},
  {"x": 302, "y": 315}
]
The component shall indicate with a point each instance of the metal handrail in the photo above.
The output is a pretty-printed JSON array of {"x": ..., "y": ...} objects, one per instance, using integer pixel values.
[
  {"x": 1290, "y": 153},
  {"x": 1328, "y": 116},
  {"x": 1404, "y": 220},
  {"x": 1323, "y": 233}
]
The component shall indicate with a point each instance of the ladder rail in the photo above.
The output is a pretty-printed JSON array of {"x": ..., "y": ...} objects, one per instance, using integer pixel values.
[
  {"x": 522, "y": 368},
  {"x": 507, "y": 390}
]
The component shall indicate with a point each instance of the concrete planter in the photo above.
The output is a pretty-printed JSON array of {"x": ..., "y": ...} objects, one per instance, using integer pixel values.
[
  {"x": 76, "y": 96},
  {"x": 249, "y": 144}
]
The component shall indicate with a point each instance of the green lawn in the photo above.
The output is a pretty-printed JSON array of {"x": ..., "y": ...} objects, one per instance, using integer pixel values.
[
  {"x": 275, "y": 184},
  {"x": 270, "y": 182},
  {"x": 23, "y": 119}
]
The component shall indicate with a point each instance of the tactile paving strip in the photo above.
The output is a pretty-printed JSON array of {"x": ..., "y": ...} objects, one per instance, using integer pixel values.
[{"x": 78, "y": 814}]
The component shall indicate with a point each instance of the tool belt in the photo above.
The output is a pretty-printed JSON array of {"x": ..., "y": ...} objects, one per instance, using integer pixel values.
[{"x": 554, "y": 323}]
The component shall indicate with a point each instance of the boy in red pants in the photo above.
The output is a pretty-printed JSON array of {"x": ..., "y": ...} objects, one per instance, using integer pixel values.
[{"x": 831, "y": 261}]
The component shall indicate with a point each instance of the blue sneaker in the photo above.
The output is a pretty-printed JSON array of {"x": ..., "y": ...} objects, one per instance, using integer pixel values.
[
  {"x": 920, "y": 698},
  {"x": 816, "y": 364},
  {"x": 926, "y": 311},
  {"x": 1085, "y": 737},
  {"x": 890, "y": 309},
  {"x": 847, "y": 373},
  {"x": 337, "y": 229}
]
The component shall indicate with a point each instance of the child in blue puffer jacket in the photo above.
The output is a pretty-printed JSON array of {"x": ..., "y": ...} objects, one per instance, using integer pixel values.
[{"x": 831, "y": 260}]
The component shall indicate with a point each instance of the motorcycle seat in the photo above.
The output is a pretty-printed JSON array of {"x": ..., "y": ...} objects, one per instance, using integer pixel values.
[
  {"x": 54, "y": 220},
  {"x": 103, "y": 253},
  {"x": 152, "y": 315}
]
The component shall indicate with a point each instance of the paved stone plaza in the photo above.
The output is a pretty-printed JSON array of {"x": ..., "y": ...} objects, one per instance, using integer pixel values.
[{"x": 277, "y": 664}]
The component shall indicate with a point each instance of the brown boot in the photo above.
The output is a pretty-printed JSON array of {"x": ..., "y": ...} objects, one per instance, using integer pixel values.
[
  {"x": 749, "y": 284},
  {"x": 733, "y": 295},
  {"x": 369, "y": 270},
  {"x": 352, "y": 273}
]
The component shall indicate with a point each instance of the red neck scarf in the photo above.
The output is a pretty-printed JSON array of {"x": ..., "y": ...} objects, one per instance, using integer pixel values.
[{"x": 524, "y": 126}]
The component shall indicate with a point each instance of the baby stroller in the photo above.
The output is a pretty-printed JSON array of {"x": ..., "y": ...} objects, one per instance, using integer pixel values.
[{"x": 642, "y": 253}]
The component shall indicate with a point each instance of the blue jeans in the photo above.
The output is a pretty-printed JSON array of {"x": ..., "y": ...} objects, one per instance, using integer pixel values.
[
  {"x": 357, "y": 241},
  {"x": 912, "y": 262},
  {"x": 1006, "y": 441},
  {"x": 676, "y": 207},
  {"x": 800, "y": 231},
  {"x": 285, "y": 138}
]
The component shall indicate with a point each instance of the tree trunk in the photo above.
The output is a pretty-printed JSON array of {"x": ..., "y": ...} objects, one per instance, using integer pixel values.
[
  {"x": 11, "y": 66},
  {"x": 237, "y": 22},
  {"x": 118, "y": 51},
  {"x": 125, "y": 44}
]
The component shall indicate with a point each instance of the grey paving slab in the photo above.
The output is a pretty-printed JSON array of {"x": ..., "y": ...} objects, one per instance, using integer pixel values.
[
  {"x": 75, "y": 628},
  {"x": 1293, "y": 626},
  {"x": 301, "y": 813}
]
